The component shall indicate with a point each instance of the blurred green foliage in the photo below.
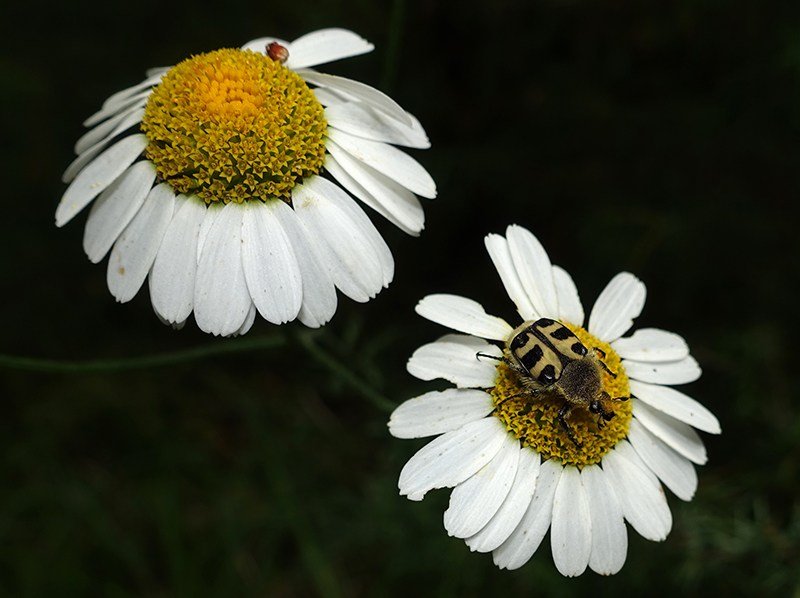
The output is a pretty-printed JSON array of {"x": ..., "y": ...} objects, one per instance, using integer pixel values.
[{"x": 655, "y": 136}]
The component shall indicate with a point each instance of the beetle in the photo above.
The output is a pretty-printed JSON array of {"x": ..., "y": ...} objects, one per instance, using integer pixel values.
[{"x": 548, "y": 357}]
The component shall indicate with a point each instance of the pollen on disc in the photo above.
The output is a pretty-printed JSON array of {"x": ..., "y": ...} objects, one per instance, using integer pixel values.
[
  {"x": 534, "y": 419},
  {"x": 234, "y": 125}
]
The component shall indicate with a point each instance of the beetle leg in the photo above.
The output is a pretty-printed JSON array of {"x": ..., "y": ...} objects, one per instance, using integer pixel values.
[
  {"x": 605, "y": 367},
  {"x": 562, "y": 414},
  {"x": 602, "y": 418}
]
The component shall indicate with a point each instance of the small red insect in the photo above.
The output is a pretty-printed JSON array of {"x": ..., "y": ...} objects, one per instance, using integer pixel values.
[{"x": 277, "y": 52}]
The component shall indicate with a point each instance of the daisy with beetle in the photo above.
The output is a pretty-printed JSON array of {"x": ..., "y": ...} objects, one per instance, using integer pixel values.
[
  {"x": 207, "y": 180},
  {"x": 557, "y": 426}
]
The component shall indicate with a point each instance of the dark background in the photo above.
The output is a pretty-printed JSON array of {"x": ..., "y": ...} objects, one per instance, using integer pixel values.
[{"x": 659, "y": 137}]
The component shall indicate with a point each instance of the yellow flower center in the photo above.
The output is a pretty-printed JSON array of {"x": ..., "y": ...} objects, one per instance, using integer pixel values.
[
  {"x": 234, "y": 125},
  {"x": 534, "y": 418}
]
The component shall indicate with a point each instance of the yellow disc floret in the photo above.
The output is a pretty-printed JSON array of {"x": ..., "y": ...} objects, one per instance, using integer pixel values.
[
  {"x": 534, "y": 419},
  {"x": 234, "y": 125}
]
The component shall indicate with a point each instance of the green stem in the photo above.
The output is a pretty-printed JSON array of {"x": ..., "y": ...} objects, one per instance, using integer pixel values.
[
  {"x": 101, "y": 366},
  {"x": 364, "y": 389}
]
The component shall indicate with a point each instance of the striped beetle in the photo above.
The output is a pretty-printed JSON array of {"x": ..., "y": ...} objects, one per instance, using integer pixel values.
[{"x": 548, "y": 357}]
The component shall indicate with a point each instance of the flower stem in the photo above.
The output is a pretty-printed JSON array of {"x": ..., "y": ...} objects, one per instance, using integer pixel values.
[
  {"x": 365, "y": 390},
  {"x": 100, "y": 366}
]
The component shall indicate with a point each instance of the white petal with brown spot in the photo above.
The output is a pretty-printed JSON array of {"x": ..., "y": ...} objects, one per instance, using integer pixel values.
[{"x": 291, "y": 259}]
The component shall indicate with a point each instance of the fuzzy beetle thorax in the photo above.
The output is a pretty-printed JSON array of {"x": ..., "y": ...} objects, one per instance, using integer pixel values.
[{"x": 581, "y": 382}]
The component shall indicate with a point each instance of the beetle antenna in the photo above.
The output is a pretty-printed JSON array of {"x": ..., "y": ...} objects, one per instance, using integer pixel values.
[
  {"x": 503, "y": 359},
  {"x": 506, "y": 361},
  {"x": 528, "y": 393}
]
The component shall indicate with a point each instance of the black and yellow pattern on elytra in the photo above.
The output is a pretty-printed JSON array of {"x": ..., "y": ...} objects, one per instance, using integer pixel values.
[
  {"x": 234, "y": 125},
  {"x": 544, "y": 348},
  {"x": 534, "y": 419}
]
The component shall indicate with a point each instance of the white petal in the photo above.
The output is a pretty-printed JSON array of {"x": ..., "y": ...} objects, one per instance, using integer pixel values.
[
  {"x": 676, "y": 434},
  {"x": 514, "y": 506},
  {"x": 361, "y": 120},
  {"x": 319, "y": 293},
  {"x": 113, "y": 109},
  {"x": 221, "y": 298},
  {"x": 362, "y": 92},
  {"x": 248, "y": 321},
  {"x": 652, "y": 344},
  {"x": 111, "y": 128},
  {"x": 497, "y": 246},
  {"x": 336, "y": 195},
  {"x": 329, "y": 97},
  {"x": 534, "y": 270},
  {"x": 475, "y": 501},
  {"x": 453, "y": 357},
  {"x": 270, "y": 266},
  {"x": 525, "y": 539},
  {"x": 136, "y": 248},
  {"x": 386, "y": 159},
  {"x": 212, "y": 211},
  {"x": 640, "y": 495},
  {"x": 346, "y": 248},
  {"x": 325, "y": 45},
  {"x": 609, "y": 536},
  {"x": 173, "y": 325},
  {"x": 668, "y": 372},
  {"x": 391, "y": 200},
  {"x": 123, "y": 95},
  {"x": 438, "y": 412},
  {"x": 452, "y": 458},
  {"x": 569, "y": 303},
  {"x": 615, "y": 309},
  {"x": 675, "y": 471},
  {"x": 571, "y": 535},
  {"x": 159, "y": 71},
  {"x": 173, "y": 274},
  {"x": 464, "y": 315},
  {"x": 81, "y": 161},
  {"x": 98, "y": 175},
  {"x": 676, "y": 404},
  {"x": 128, "y": 120},
  {"x": 260, "y": 45},
  {"x": 115, "y": 208}
]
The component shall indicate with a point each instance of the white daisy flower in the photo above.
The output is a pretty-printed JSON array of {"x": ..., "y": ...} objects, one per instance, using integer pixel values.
[
  {"x": 514, "y": 469},
  {"x": 207, "y": 177}
]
